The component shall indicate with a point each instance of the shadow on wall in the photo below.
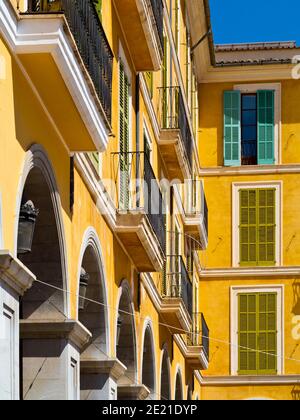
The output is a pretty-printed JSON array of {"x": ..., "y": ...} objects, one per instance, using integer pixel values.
[
  {"x": 296, "y": 292},
  {"x": 296, "y": 393}
]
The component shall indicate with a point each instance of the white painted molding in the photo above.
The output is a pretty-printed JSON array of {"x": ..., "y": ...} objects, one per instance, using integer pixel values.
[
  {"x": 91, "y": 239},
  {"x": 247, "y": 380},
  {"x": 45, "y": 34},
  {"x": 250, "y": 170},
  {"x": 37, "y": 157},
  {"x": 221, "y": 273},
  {"x": 236, "y": 188},
  {"x": 148, "y": 325}
]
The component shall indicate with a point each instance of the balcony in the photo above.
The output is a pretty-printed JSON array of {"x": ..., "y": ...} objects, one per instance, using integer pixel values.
[
  {"x": 195, "y": 346},
  {"x": 64, "y": 51},
  {"x": 142, "y": 22},
  {"x": 195, "y": 212},
  {"x": 175, "y": 142},
  {"x": 140, "y": 210},
  {"x": 177, "y": 295}
]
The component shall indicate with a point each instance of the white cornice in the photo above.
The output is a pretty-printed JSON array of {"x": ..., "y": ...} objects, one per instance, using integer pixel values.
[
  {"x": 251, "y": 170},
  {"x": 46, "y": 34},
  {"x": 14, "y": 273},
  {"x": 222, "y": 273},
  {"x": 247, "y": 380}
]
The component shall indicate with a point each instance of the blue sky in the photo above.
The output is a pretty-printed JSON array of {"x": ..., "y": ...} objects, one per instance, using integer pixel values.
[{"x": 236, "y": 21}]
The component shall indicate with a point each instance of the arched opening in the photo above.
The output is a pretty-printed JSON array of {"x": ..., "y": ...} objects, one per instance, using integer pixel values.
[
  {"x": 165, "y": 387},
  {"x": 148, "y": 368},
  {"x": 126, "y": 342},
  {"x": 43, "y": 301},
  {"x": 43, "y": 308},
  {"x": 178, "y": 387},
  {"x": 94, "y": 317}
]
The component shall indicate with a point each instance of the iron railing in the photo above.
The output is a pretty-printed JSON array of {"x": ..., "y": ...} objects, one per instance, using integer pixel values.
[
  {"x": 173, "y": 116},
  {"x": 90, "y": 39},
  {"x": 177, "y": 282},
  {"x": 205, "y": 215},
  {"x": 200, "y": 333},
  {"x": 158, "y": 13},
  {"x": 137, "y": 189}
]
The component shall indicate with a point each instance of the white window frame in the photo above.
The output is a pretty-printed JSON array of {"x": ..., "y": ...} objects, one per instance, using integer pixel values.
[
  {"x": 253, "y": 88},
  {"x": 234, "y": 292},
  {"x": 236, "y": 188}
]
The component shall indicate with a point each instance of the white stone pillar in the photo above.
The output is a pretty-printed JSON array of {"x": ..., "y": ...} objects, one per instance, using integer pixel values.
[{"x": 15, "y": 279}]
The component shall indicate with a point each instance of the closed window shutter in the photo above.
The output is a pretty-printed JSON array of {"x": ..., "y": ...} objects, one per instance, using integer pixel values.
[
  {"x": 266, "y": 226},
  {"x": 124, "y": 140},
  {"x": 257, "y": 227},
  {"x": 266, "y": 126},
  {"x": 232, "y": 128},
  {"x": 248, "y": 226},
  {"x": 257, "y": 333},
  {"x": 247, "y": 333}
]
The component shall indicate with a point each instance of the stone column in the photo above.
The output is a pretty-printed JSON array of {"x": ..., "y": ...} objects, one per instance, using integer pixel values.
[
  {"x": 51, "y": 358},
  {"x": 15, "y": 279}
]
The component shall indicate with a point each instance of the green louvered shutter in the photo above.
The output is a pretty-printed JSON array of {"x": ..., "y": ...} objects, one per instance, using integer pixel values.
[
  {"x": 248, "y": 227},
  {"x": 257, "y": 227},
  {"x": 266, "y": 227},
  {"x": 257, "y": 334},
  {"x": 247, "y": 333},
  {"x": 267, "y": 333},
  {"x": 266, "y": 127},
  {"x": 124, "y": 140},
  {"x": 232, "y": 128}
]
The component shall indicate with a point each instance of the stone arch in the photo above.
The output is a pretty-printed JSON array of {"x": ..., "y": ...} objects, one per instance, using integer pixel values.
[
  {"x": 38, "y": 184},
  {"x": 178, "y": 385},
  {"x": 91, "y": 259},
  {"x": 165, "y": 375},
  {"x": 148, "y": 360},
  {"x": 125, "y": 334}
]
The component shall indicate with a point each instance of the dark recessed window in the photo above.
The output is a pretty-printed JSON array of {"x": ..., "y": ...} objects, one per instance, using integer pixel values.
[{"x": 249, "y": 129}]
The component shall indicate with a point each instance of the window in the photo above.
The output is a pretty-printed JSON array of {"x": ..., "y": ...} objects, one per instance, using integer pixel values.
[
  {"x": 257, "y": 332},
  {"x": 249, "y": 127},
  {"x": 257, "y": 227}
]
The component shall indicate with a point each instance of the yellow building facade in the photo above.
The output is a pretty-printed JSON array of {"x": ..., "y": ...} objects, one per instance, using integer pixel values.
[
  {"x": 249, "y": 158},
  {"x": 100, "y": 221},
  {"x": 112, "y": 153}
]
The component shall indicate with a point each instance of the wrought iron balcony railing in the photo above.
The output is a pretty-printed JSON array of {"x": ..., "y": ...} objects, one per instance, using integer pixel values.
[
  {"x": 137, "y": 189},
  {"x": 177, "y": 282},
  {"x": 200, "y": 333},
  {"x": 173, "y": 116},
  {"x": 90, "y": 39},
  {"x": 158, "y": 13}
]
